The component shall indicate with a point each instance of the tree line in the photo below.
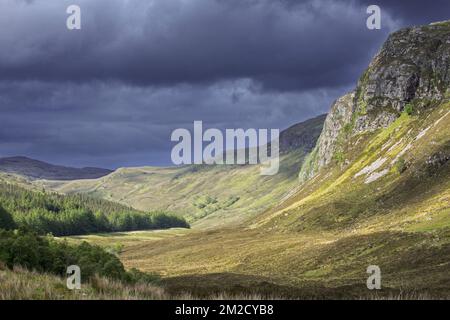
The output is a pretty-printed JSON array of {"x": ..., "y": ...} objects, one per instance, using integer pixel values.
[
  {"x": 46, "y": 254},
  {"x": 62, "y": 215}
]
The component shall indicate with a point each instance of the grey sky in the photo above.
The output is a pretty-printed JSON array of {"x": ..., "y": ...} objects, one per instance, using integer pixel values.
[{"x": 110, "y": 94}]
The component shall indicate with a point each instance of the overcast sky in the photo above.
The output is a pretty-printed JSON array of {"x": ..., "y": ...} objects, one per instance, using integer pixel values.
[{"x": 110, "y": 94}]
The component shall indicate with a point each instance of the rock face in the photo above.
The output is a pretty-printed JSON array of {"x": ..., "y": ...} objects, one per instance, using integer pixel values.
[
  {"x": 339, "y": 116},
  {"x": 411, "y": 69}
]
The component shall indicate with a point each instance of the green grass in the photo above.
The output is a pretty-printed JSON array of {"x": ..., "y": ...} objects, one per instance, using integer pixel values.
[
  {"x": 316, "y": 243},
  {"x": 236, "y": 193},
  {"x": 319, "y": 265},
  {"x": 239, "y": 192},
  {"x": 319, "y": 242},
  {"x": 21, "y": 284}
]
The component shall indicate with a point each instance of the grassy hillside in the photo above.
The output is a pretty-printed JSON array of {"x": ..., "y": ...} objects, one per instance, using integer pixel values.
[
  {"x": 400, "y": 171},
  {"x": 320, "y": 241},
  {"x": 210, "y": 196},
  {"x": 214, "y": 195}
]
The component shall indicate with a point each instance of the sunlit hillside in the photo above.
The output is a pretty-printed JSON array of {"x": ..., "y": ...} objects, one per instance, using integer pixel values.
[{"x": 209, "y": 196}]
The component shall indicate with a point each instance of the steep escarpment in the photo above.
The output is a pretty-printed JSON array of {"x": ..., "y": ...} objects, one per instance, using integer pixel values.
[
  {"x": 385, "y": 146},
  {"x": 410, "y": 73}
]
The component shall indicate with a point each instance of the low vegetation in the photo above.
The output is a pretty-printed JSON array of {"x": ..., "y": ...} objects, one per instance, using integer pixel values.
[
  {"x": 320, "y": 241},
  {"x": 48, "y": 255},
  {"x": 22, "y": 284},
  {"x": 409, "y": 109}
]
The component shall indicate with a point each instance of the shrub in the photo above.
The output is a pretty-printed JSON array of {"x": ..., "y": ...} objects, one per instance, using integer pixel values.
[
  {"x": 136, "y": 276},
  {"x": 401, "y": 165},
  {"x": 6, "y": 220},
  {"x": 339, "y": 157},
  {"x": 409, "y": 109},
  {"x": 45, "y": 254}
]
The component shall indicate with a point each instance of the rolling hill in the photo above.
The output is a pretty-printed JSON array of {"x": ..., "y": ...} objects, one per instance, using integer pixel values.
[
  {"x": 210, "y": 196},
  {"x": 35, "y": 169}
]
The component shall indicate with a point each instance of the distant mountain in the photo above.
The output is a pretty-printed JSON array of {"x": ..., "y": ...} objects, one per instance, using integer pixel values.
[
  {"x": 208, "y": 194},
  {"x": 302, "y": 135},
  {"x": 35, "y": 169}
]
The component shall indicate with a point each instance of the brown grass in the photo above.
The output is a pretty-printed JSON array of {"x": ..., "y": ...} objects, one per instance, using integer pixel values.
[{"x": 21, "y": 284}]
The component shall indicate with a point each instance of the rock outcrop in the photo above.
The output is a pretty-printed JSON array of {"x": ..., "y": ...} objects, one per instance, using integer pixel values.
[{"x": 411, "y": 70}]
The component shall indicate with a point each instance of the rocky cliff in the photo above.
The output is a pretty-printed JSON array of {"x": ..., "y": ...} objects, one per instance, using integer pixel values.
[{"x": 411, "y": 72}]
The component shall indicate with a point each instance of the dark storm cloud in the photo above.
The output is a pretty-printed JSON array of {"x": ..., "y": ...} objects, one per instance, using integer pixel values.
[
  {"x": 168, "y": 42},
  {"x": 413, "y": 12},
  {"x": 111, "y": 93},
  {"x": 115, "y": 125}
]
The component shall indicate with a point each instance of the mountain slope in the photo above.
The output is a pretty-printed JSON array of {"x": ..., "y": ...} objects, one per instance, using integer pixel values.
[
  {"x": 385, "y": 147},
  {"x": 323, "y": 238},
  {"x": 401, "y": 172},
  {"x": 375, "y": 191},
  {"x": 34, "y": 169},
  {"x": 211, "y": 196},
  {"x": 410, "y": 73}
]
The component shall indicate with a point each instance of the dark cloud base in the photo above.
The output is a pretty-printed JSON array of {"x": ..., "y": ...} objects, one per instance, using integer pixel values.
[{"x": 110, "y": 94}]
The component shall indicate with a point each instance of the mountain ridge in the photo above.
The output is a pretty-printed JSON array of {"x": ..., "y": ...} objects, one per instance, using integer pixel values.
[
  {"x": 36, "y": 169},
  {"x": 209, "y": 195}
]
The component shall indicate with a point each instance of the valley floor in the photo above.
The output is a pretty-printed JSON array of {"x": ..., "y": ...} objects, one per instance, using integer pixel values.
[
  {"x": 290, "y": 265},
  {"x": 318, "y": 242}
]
